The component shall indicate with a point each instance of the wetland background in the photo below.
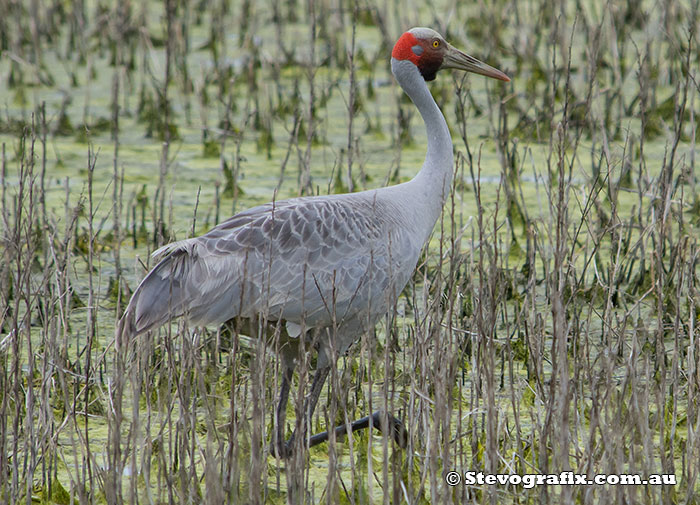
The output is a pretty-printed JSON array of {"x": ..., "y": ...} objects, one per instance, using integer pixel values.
[{"x": 550, "y": 325}]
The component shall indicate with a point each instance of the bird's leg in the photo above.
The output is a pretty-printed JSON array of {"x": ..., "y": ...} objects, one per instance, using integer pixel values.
[
  {"x": 278, "y": 444},
  {"x": 382, "y": 421},
  {"x": 392, "y": 425},
  {"x": 284, "y": 449}
]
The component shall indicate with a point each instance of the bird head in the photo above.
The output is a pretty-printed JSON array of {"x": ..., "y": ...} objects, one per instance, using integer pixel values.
[{"x": 429, "y": 51}]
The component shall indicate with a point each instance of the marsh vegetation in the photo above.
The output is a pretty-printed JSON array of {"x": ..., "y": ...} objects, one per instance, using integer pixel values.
[{"x": 550, "y": 325}]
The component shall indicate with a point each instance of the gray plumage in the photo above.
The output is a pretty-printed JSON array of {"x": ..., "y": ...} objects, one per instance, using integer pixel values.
[
  {"x": 311, "y": 262},
  {"x": 327, "y": 266}
]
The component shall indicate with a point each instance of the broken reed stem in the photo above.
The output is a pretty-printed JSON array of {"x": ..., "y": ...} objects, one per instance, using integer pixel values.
[
  {"x": 25, "y": 286},
  {"x": 159, "y": 232},
  {"x": 117, "y": 178},
  {"x": 305, "y": 183},
  {"x": 91, "y": 327},
  {"x": 351, "y": 99}
]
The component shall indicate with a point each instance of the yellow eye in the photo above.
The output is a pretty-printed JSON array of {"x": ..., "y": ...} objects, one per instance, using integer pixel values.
[{"x": 436, "y": 43}]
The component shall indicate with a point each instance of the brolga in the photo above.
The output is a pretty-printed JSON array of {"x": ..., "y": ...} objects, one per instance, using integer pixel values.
[{"x": 320, "y": 269}]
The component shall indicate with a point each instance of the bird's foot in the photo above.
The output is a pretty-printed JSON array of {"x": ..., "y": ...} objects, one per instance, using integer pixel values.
[
  {"x": 381, "y": 421},
  {"x": 393, "y": 426},
  {"x": 398, "y": 430}
]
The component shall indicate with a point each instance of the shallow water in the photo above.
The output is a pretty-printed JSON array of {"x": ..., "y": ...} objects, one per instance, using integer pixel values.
[{"x": 192, "y": 178}]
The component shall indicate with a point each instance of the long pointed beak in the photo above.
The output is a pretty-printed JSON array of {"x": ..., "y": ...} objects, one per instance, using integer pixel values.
[{"x": 454, "y": 58}]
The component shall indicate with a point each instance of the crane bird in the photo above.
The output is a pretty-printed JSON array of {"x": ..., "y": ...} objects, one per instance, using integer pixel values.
[{"x": 323, "y": 269}]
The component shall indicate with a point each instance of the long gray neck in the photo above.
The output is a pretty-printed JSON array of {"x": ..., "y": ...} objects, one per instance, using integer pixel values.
[{"x": 435, "y": 178}]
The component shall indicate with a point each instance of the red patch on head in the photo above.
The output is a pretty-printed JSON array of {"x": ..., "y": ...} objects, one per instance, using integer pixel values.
[{"x": 402, "y": 49}]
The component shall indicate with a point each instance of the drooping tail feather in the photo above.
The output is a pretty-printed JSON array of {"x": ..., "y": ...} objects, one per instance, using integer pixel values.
[{"x": 160, "y": 297}]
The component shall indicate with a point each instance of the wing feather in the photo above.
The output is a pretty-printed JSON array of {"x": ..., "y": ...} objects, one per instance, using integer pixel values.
[{"x": 307, "y": 260}]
